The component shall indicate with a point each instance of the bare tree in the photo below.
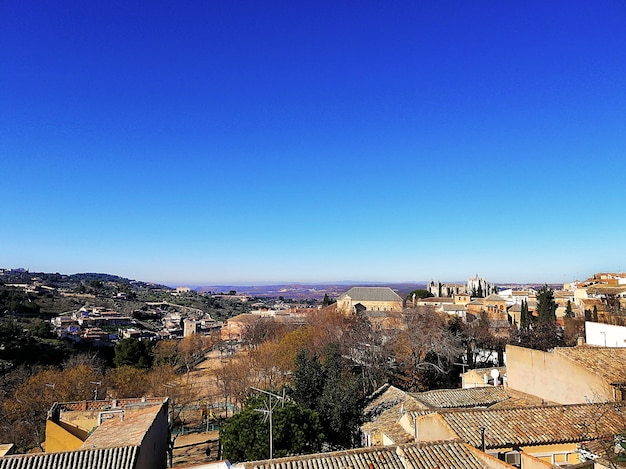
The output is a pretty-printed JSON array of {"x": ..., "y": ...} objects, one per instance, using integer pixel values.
[{"x": 424, "y": 348}]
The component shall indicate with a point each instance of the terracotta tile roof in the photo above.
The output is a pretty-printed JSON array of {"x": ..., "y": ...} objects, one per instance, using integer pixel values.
[
  {"x": 388, "y": 423},
  {"x": 109, "y": 458},
  {"x": 118, "y": 431},
  {"x": 448, "y": 454},
  {"x": 470, "y": 397},
  {"x": 494, "y": 297},
  {"x": 387, "y": 397},
  {"x": 520, "y": 399},
  {"x": 606, "y": 362},
  {"x": 535, "y": 425},
  {"x": 440, "y": 455},
  {"x": 606, "y": 289},
  {"x": 99, "y": 405},
  {"x": 386, "y": 407}
]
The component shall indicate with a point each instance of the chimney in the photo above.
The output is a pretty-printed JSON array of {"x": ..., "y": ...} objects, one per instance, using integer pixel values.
[{"x": 580, "y": 341}]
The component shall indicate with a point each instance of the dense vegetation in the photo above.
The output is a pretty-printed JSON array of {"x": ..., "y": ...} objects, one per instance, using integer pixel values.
[
  {"x": 26, "y": 393},
  {"x": 324, "y": 367}
]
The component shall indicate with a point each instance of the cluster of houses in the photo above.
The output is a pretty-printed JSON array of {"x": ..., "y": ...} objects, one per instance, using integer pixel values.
[
  {"x": 101, "y": 327},
  {"x": 94, "y": 325},
  {"x": 554, "y": 409},
  {"x": 603, "y": 293}
]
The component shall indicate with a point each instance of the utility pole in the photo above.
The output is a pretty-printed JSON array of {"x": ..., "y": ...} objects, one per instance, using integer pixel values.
[{"x": 269, "y": 409}]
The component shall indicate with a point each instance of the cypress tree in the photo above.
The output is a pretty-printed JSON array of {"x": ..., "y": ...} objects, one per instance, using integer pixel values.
[
  {"x": 546, "y": 306},
  {"x": 524, "y": 320}
]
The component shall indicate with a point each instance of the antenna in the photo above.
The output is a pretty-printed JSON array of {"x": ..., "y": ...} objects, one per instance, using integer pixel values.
[
  {"x": 95, "y": 391},
  {"x": 269, "y": 409}
]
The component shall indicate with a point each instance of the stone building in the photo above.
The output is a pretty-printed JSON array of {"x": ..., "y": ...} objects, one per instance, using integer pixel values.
[
  {"x": 476, "y": 287},
  {"x": 360, "y": 299}
]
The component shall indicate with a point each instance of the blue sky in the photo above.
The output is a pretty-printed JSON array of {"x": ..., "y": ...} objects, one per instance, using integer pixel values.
[{"x": 247, "y": 142}]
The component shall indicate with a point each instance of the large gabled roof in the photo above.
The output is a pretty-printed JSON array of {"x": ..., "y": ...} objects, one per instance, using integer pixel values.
[
  {"x": 607, "y": 362},
  {"x": 494, "y": 297},
  {"x": 371, "y": 294},
  {"x": 528, "y": 426},
  {"x": 129, "y": 430}
]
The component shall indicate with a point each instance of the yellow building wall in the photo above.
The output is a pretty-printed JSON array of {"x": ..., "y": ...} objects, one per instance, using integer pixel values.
[
  {"x": 553, "y": 377},
  {"x": 59, "y": 438},
  {"x": 530, "y": 462},
  {"x": 554, "y": 454},
  {"x": 433, "y": 428},
  {"x": 348, "y": 303},
  {"x": 476, "y": 379}
]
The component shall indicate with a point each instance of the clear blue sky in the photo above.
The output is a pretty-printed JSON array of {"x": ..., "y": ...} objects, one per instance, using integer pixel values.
[{"x": 249, "y": 141}]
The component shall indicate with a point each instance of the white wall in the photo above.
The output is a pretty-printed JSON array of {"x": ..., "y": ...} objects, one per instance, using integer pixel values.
[{"x": 605, "y": 335}]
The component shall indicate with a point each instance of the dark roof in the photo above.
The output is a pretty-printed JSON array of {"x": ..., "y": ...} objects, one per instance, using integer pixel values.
[
  {"x": 371, "y": 294},
  {"x": 109, "y": 458}
]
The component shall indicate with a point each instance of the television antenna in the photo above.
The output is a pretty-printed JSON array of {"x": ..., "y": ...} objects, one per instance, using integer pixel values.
[
  {"x": 95, "y": 391},
  {"x": 269, "y": 409}
]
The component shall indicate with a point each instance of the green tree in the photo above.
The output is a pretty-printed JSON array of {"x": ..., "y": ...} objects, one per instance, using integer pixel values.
[
  {"x": 524, "y": 320},
  {"x": 308, "y": 379},
  {"x": 546, "y": 306},
  {"x": 540, "y": 336},
  {"x": 327, "y": 301},
  {"x": 132, "y": 352},
  {"x": 419, "y": 294},
  {"x": 333, "y": 392},
  {"x": 295, "y": 430},
  {"x": 340, "y": 405},
  {"x": 569, "y": 313}
]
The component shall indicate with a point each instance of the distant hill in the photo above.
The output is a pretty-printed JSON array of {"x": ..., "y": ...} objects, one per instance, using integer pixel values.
[{"x": 301, "y": 291}]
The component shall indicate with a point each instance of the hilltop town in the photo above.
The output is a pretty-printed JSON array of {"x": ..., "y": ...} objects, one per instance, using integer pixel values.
[{"x": 465, "y": 374}]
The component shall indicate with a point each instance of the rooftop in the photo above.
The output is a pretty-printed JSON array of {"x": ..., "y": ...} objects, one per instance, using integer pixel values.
[
  {"x": 535, "y": 425},
  {"x": 109, "y": 423},
  {"x": 107, "y": 458},
  {"x": 607, "y": 362},
  {"x": 458, "y": 398},
  {"x": 448, "y": 454},
  {"x": 371, "y": 294},
  {"x": 123, "y": 431}
]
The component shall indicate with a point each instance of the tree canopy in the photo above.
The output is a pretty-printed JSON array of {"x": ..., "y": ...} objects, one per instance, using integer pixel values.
[
  {"x": 295, "y": 430},
  {"x": 333, "y": 392},
  {"x": 132, "y": 352},
  {"x": 546, "y": 306}
]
